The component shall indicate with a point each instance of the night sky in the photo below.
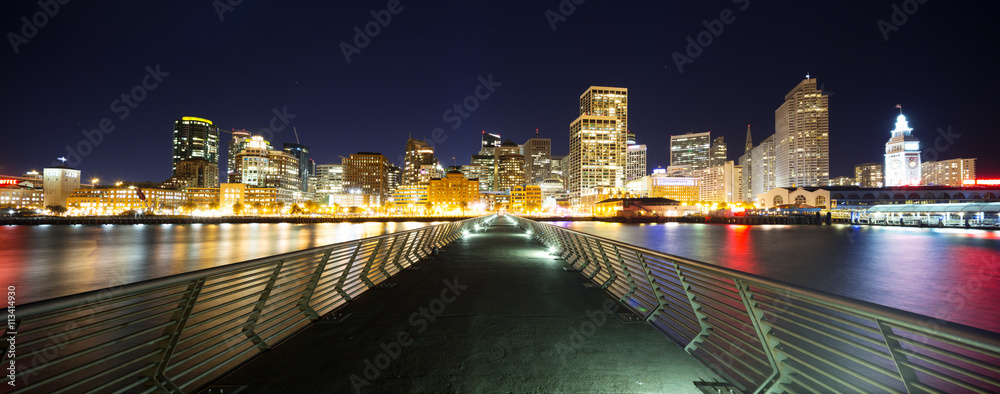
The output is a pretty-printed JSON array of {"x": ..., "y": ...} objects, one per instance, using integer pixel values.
[{"x": 262, "y": 57}]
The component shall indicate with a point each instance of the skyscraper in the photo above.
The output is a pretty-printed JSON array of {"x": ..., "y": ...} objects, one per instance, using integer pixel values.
[
  {"x": 746, "y": 176},
  {"x": 948, "y": 172},
  {"x": 367, "y": 173},
  {"x": 869, "y": 175},
  {"x": 902, "y": 156},
  {"x": 692, "y": 150},
  {"x": 762, "y": 158},
  {"x": 719, "y": 152},
  {"x": 490, "y": 142},
  {"x": 510, "y": 166},
  {"x": 237, "y": 143},
  {"x": 597, "y": 148},
  {"x": 635, "y": 166},
  {"x": 418, "y": 155},
  {"x": 301, "y": 152},
  {"x": 537, "y": 160},
  {"x": 802, "y": 137},
  {"x": 195, "y": 138}
]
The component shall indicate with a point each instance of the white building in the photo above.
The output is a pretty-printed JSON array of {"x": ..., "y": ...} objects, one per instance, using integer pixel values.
[
  {"x": 719, "y": 184},
  {"x": 802, "y": 137},
  {"x": 776, "y": 197},
  {"x": 58, "y": 183},
  {"x": 635, "y": 167},
  {"x": 948, "y": 172},
  {"x": 902, "y": 156}
]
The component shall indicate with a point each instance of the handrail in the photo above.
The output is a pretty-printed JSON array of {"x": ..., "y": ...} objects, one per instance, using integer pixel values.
[
  {"x": 765, "y": 335},
  {"x": 178, "y": 333}
]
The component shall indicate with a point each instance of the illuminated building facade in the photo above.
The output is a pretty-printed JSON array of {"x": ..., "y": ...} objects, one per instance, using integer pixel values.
[
  {"x": 21, "y": 192},
  {"x": 197, "y": 173},
  {"x": 802, "y": 137},
  {"x": 954, "y": 172},
  {"x": 719, "y": 184},
  {"x": 691, "y": 149},
  {"x": 902, "y": 156},
  {"x": 366, "y": 173},
  {"x": 746, "y": 177},
  {"x": 411, "y": 198},
  {"x": 481, "y": 168},
  {"x": 596, "y": 155},
  {"x": 635, "y": 163},
  {"x": 842, "y": 181},
  {"x": 719, "y": 152},
  {"x": 300, "y": 152},
  {"x": 510, "y": 166},
  {"x": 762, "y": 163},
  {"x": 526, "y": 198},
  {"x": 114, "y": 200},
  {"x": 453, "y": 191},
  {"x": 537, "y": 160},
  {"x": 868, "y": 175},
  {"x": 490, "y": 143},
  {"x": 58, "y": 183},
  {"x": 237, "y": 143},
  {"x": 195, "y": 138},
  {"x": 419, "y": 154}
]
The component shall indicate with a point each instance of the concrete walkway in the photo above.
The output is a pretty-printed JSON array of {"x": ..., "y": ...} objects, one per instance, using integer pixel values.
[{"x": 493, "y": 313}]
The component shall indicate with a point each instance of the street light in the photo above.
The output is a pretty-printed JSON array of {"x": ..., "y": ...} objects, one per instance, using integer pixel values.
[{"x": 93, "y": 182}]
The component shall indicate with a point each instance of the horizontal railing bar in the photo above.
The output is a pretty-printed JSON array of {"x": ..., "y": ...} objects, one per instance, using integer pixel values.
[
  {"x": 830, "y": 376},
  {"x": 949, "y": 379},
  {"x": 867, "y": 364},
  {"x": 945, "y": 352},
  {"x": 953, "y": 368},
  {"x": 97, "y": 375},
  {"x": 840, "y": 339},
  {"x": 831, "y": 364}
]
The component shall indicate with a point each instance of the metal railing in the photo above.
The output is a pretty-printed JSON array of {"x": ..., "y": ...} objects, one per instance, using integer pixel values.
[
  {"x": 176, "y": 334},
  {"x": 763, "y": 335}
]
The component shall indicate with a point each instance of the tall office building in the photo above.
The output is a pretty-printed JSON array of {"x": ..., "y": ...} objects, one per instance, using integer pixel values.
[
  {"x": 537, "y": 160},
  {"x": 635, "y": 162},
  {"x": 746, "y": 176},
  {"x": 259, "y": 166},
  {"x": 301, "y": 152},
  {"x": 367, "y": 173},
  {"x": 195, "y": 138},
  {"x": 237, "y": 143},
  {"x": 251, "y": 165},
  {"x": 418, "y": 155},
  {"x": 558, "y": 167},
  {"x": 490, "y": 143},
  {"x": 510, "y": 166},
  {"x": 58, "y": 183},
  {"x": 802, "y": 137},
  {"x": 692, "y": 150},
  {"x": 948, "y": 172},
  {"x": 394, "y": 175},
  {"x": 719, "y": 153},
  {"x": 482, "y": 167},
  {"x": 902, "y": 156},
  {"x": 762, "y": 158},
  {"x": 868, "y": 175},
  {"x": 198, "y": 173},
  {"x": 329, "y": 179},
  {"x": 597, "y": 149}
]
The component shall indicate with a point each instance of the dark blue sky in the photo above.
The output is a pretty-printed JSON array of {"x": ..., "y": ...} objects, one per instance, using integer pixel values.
[{"x": 939, "y": 64}]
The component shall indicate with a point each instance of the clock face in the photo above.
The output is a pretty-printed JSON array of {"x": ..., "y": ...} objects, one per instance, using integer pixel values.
[
  {"x": 896, "y": 164},
  {"x": 913, "y": 163}
]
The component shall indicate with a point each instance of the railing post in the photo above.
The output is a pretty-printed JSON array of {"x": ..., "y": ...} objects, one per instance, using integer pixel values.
[
  {"x": 173, "y": 333},
  {"x": 402, "y": 249},
  {"x": 583, "y": 253},
  {"x": 906, "y": 373},
  {"x": 628, "y": 275},
  {"x": 699, "y": 313},
  {"x": 591, "y": 258},
  {"x": 388, "y": 254},
  {"x": 311, "y": 287},
  {"x": 770, "y": 344},
  {"x": 368, "y": 265},
  {"x": 412, "y": 245},
  {"x": 258, "y": 308},
  {"x": 347, "y": 270},
  {"x": 660, "y": 297},
  {"x": 612, "y": 275}
]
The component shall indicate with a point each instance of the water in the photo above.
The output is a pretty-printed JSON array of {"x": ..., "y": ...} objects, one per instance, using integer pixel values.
[
  {"x": 51, "y": 261},
  {"x": 948, "y": 274}
]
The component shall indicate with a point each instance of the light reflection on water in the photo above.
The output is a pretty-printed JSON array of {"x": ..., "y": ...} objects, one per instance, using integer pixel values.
[
  {"x": 51, "y": 261},
  {"x": 949, "y": 274}
]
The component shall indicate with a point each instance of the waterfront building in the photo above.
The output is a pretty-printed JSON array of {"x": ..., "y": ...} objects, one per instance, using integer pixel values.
[
  {"x": 659, "y": 184},
  {"x": 719, "y": 153},
  {"x": 856, "y": 197},
  {"x": 762, "y": 158},
  {"x": 411, "y": 198},
  {"x": 798, "y": 196},
  {"x": 868, "y": 175},
  {"x": 110, "y": 200},
  {"x": 301, "y": 152},
  {"x": 952, "y": 172},
  {"x": 237, "y": 144},
  {"x": 902, "y": 156},
  {"x": 419, "y": 155},
  {"x": 329, "y": 179},
  {"x": 746, "y": 177},
  {"x": 591, "y": 196},
  {"x": 526, "y": 198},
  {"x": 195, "y": 138},
  {"x": 596, "y": 158},
  {"x": 21, "y": 192},
  {"x": 691, "y": 149},
  {"x": 802, "y": 137},
  {"x": 537, "y": 159},
  {"x": 510, "y": 166},
  {"x": 635, "y": 166},
  {"x": 58, "y": 183},
  {"x": 638, "y": 206},
  {"x": 366, "y": 173},
  {"x": 451, "y": 192},
  {"x": 718, "y": 184}
]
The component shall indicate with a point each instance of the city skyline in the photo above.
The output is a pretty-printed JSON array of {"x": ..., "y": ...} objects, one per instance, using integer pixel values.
[{"x": 381, "y": 97}]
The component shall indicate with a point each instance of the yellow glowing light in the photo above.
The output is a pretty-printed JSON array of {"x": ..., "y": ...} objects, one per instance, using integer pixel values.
[{"x": 197, "y": 119}]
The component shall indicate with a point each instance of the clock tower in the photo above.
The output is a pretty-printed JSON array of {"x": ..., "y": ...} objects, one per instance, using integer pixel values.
[{"x": 902, "y": 155}]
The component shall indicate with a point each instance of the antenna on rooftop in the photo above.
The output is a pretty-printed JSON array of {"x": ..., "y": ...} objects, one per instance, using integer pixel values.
[{"x": 296, "y": 136}]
